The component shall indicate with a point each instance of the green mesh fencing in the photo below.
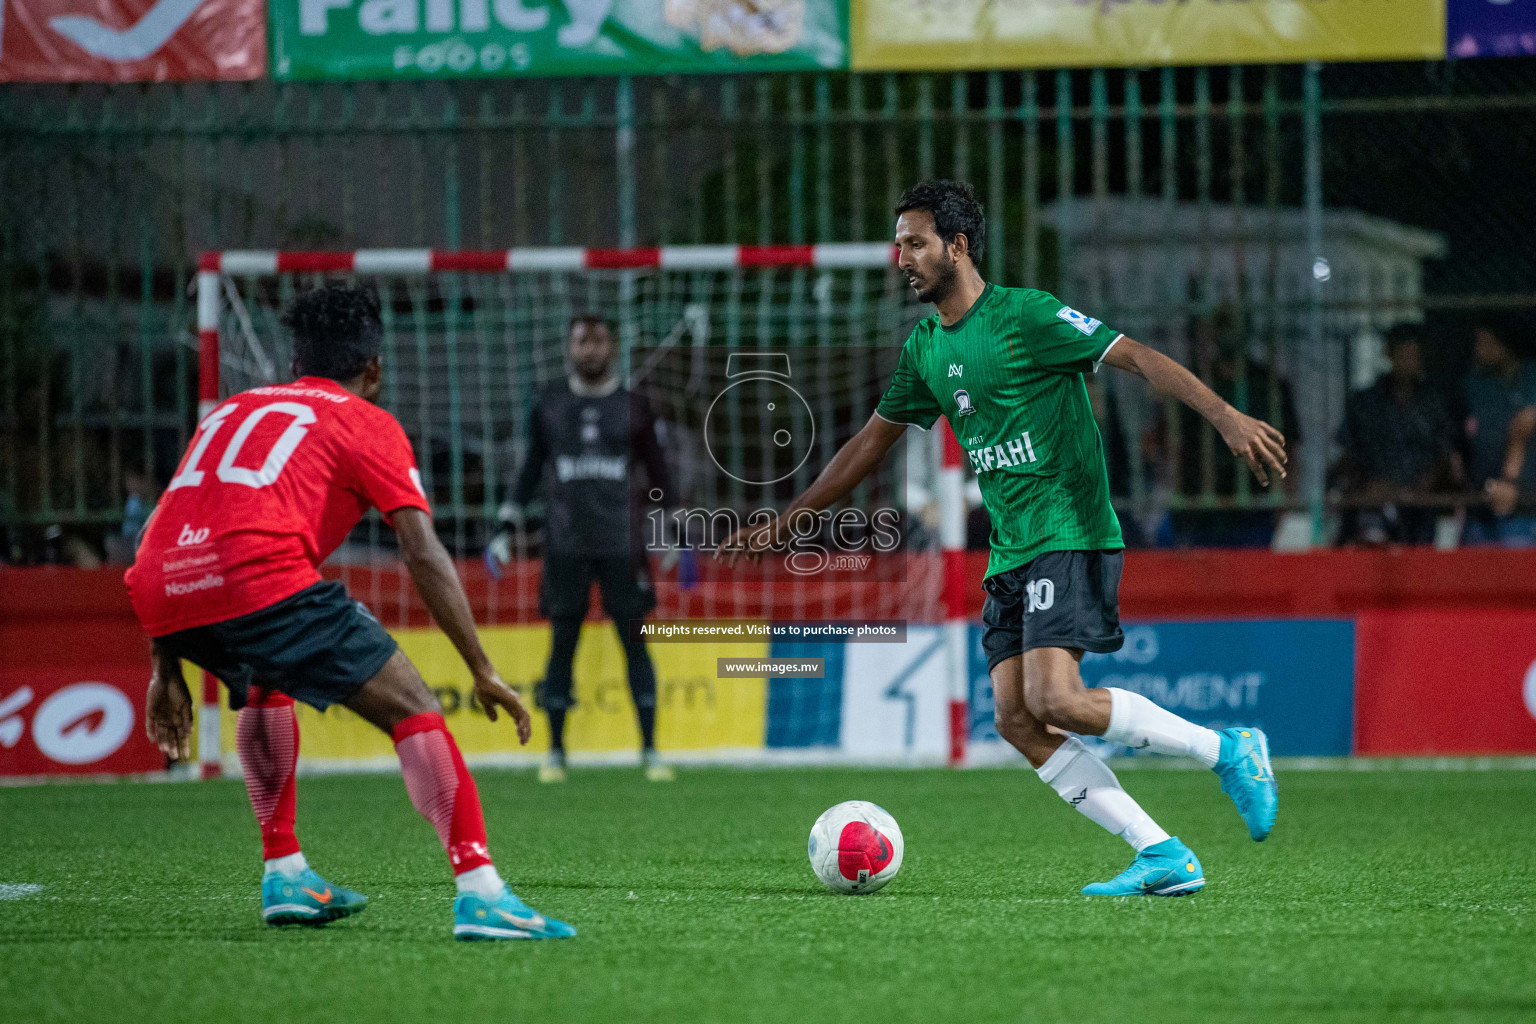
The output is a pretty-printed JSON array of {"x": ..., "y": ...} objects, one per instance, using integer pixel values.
[{"x": 1191, "y": 205}]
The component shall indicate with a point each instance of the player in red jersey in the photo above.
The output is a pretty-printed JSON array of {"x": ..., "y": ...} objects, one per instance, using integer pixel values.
[{"x": 226, "y": 577}]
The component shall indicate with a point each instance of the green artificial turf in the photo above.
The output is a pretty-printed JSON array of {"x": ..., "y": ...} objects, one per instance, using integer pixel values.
[{"x": 1382, "y": 896}]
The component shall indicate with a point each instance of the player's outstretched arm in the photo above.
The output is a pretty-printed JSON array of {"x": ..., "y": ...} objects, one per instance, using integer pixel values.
[
  {"x": 438, "y": 584},
  {"x": 852, "y": 463},
  {"x": 1252, "y": 440}
]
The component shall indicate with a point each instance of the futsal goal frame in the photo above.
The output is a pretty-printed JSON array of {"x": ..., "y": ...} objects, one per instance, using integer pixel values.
[{"x": 214, "y": 266}]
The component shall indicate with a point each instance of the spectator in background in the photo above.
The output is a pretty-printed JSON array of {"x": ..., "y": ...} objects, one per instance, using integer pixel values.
[
  {"x": 1199, "y": 463},
  {"x": 139, "y": 499},
  {"x": 1500, "y": 393},
  {"x": 61, "y": 547},
  {"x": 10, "y": 541},
  {"x": 1396, "y": 440}
]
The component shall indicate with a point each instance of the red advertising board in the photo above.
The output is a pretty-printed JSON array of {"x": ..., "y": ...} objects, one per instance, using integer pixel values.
[
  {"x": 1445, "y": 642},
  {"x": 73, "y": 670},
  {"x": 53, "y": 723},
  {"x": 1445, "y": 682},
  {"x": 132, "y": 40}
]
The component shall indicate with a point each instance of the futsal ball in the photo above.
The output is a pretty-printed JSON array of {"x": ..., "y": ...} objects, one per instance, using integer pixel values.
[{"x": 855, "y": 847}]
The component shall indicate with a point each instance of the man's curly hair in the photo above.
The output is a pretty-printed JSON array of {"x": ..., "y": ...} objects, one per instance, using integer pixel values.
[
  {"x": 336, "y": 331},
  {"x": 955, "y": 209}
]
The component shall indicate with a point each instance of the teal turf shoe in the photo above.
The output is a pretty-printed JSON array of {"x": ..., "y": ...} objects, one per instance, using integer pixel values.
[
  {"x": 306, "y": 898},
  {"x": 1168, "y": 868},
  {"x": 477, "y": 919},
  {"x": 1246, "y": 776}
]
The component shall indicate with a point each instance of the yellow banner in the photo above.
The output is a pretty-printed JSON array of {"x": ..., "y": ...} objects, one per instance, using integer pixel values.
[
  {"x": 926, "y": 35},
  {"x": 694, "y": 710}
]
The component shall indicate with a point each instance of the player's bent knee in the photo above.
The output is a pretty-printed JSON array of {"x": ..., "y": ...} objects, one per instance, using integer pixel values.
[
  {"x": 1026, "y": 734},
  {"x": 1017, "y": 733},
  {"x": 396, "y": 693},
  {"x": 1054, "y": 705},
  {"x": 1015, "y": 724}
]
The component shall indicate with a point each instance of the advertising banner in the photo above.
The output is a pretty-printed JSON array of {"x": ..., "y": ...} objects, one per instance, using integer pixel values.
[
  {"x": 73, "y": 670},
  {"x": 58, "y": 722},
  {"x": 875, "y": 702},
  {"x": 908, "y": 35},
  {"x": 695, "y": 711},
  {"x": 381, "y": 39},
  {"x": 132, "y": 40},
  {"x": 807, "y": 712},
  {"x": 1445, "y": 682},
  {"x": 1491, "y": 28},
  {"x": 887, "y": 702},
  {"x": 1292, "y": 678},
  {"x": 896, "y": 699}
]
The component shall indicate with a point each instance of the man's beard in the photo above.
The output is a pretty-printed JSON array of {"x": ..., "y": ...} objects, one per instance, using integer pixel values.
[
  {"x": 593, "y": 372},
  {"x": 943, "y": 283}
]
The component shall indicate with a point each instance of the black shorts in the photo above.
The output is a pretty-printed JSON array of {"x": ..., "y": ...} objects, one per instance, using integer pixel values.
[
  {"x": 1060, "y": 599},
  {"x": 318, "y": 646},
  {"x": 625, "y": 583}
]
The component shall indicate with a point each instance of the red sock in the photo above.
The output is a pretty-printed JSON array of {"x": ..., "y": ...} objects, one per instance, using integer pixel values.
[
  {"x": 267, "y": 737},
  {"x": 442, "y": 788}
]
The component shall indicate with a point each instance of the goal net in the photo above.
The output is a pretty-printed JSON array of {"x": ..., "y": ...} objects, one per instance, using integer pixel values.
[{"x": 759, "y": 365}]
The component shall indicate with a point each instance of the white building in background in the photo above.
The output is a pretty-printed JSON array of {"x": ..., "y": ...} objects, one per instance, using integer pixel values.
[
  {"x": 1150, "y": 268},
  {"x": 1154, "y": 265}
]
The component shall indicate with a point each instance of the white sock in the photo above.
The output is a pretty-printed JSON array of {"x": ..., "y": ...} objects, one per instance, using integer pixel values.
[
  {"x": 1086, "y": 783},
  {"x": 1136, "y": 722},
  {"x": 483, "y": 881},
  {"x": 289, "y": 865}
]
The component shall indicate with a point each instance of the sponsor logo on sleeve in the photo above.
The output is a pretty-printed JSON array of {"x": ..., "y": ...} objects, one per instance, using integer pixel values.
[{"x": 1081, "y": 321}]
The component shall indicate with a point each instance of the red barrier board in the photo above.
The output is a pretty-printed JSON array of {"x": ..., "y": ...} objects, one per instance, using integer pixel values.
[
  {"x": 132, "y": 40},
  {"x": 62, "y": 723},
  {"x": 1444, "y": 644},
  {"x": 1217, "y": 584},
  {"x": 1164, "y": 585},
  {"x": 73, "y": 670},
  {"x": 1445, "y": 682}
]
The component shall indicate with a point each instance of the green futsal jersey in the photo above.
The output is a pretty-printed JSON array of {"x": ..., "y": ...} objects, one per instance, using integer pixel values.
[{"x": 1008, "y": 376}]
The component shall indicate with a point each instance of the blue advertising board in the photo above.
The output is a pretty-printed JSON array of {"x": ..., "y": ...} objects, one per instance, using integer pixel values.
[
  {"x": 1491, "y": 28},
  {"x": 1292, "y": 678},
  {"x": 806, "y": 712}
]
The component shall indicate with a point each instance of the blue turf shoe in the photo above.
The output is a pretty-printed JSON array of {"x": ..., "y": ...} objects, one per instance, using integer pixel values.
[
  {"x": 1168, "y": 868},
  {"x": 477, "y": 919},
  {"x": 1246, "y": 776},
  {"x": 306, "y": 898}
]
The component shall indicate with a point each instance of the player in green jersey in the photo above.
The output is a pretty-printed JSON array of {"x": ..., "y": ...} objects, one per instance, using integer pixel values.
[{"x": 1005, "y": 367}]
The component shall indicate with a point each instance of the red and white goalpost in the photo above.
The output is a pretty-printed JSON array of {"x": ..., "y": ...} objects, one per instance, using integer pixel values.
[
  {"x": 215, "y": 267},
  {"x": 952, "y": 544}
]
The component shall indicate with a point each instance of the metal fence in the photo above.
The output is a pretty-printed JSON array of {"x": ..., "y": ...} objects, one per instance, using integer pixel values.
[{"x": 1265, "y": 223}]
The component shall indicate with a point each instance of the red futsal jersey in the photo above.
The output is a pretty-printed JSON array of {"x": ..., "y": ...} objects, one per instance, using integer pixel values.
[{"x": 275, "y": 479}]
